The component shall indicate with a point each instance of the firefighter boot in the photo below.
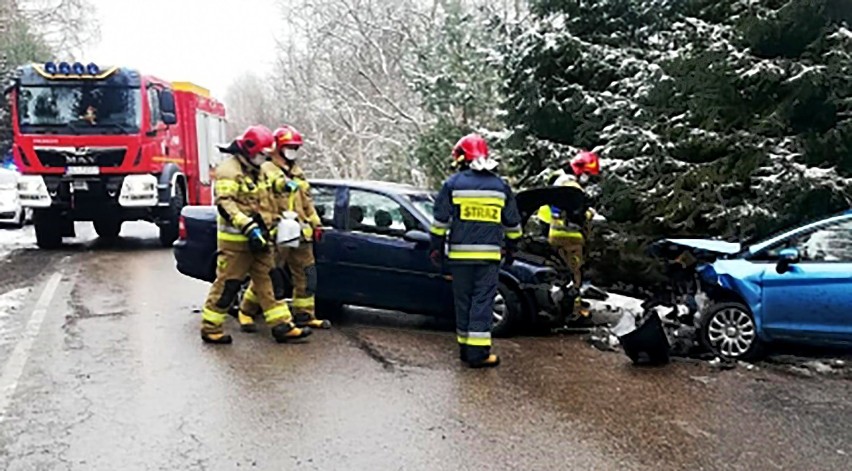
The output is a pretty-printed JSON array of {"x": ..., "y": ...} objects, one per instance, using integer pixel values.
[
  {"x": 287, "y": 332},
  {"x": 463, "y": 356},
  {"x": 304, "y": 319},
  {"x": 215, "y": 334},
  {"x": 246, "y": 323},
  {"x": 490, "y": 362}
]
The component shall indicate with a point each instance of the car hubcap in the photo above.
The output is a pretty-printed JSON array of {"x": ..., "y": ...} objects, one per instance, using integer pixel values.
[
  {"x": 499, "y": 309},
  {"x": 732, "y": 332}
]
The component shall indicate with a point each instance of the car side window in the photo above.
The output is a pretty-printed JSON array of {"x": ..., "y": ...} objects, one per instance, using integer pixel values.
[
  {"x": 373, "y": 213},
  {"x": 832, "y": 243},
  {"x": 324, "y": 203}
]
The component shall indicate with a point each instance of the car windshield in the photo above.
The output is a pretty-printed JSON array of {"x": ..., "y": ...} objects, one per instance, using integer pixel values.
[
  {"x": 774, "y": 241},
  {"x": 79, "y": 109},
  {"x": 424, "y": 202}
]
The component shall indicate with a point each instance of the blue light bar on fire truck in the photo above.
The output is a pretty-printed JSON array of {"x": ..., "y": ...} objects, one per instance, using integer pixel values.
[{"x": 77, "y": 70}]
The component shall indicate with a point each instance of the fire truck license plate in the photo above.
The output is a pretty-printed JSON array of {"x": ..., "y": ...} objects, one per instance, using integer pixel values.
[
  {"x": 82, "y": 170},
  {"x": 80, "y": 185}
]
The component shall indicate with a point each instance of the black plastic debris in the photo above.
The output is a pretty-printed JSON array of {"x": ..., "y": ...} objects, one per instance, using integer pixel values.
[{"x": 647, "y": 344}]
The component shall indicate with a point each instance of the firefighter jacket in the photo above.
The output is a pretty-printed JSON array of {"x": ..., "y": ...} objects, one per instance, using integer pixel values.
[
  {"x": 300, "y": 202},
  {"x": 478, "y": 211},
  {"x": 565, "y": 225},
  {"x": 242, "y": 195}
]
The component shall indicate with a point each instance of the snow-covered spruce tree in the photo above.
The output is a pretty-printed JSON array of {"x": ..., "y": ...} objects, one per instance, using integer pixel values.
[
  {"x": 725, "y": 118},
  {"x": 457, "y": 75}
]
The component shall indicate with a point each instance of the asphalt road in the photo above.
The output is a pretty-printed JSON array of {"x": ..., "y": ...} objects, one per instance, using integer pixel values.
[{"x": 102, "y": 368}]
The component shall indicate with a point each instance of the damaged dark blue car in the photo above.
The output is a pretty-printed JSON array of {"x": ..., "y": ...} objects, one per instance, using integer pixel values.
[{"x": 794, "y": 287}]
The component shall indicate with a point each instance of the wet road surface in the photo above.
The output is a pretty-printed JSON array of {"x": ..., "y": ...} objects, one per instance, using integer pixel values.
[{"x": 102, "y": 369}]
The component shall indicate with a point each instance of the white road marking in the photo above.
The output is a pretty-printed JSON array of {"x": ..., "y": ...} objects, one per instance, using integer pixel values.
[{"x": 15, "y": 366}]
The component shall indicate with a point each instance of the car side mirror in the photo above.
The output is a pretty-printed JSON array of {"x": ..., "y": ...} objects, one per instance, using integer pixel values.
[
  {"x": 168, "y": 118},
  {"x": 168, "y": 111},
  {"x": 418, "y": 237},
  {"x": 787, "y": 258}
]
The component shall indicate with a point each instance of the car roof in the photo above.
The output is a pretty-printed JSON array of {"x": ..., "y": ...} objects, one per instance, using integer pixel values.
[{"x": 375, "y": 185}]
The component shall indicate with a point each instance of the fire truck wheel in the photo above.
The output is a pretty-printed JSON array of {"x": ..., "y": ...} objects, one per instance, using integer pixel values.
[
  {"x": 108, "y": 228},
  {"x": 48, "y": 229},
  {"x": 169, "y": 225}
]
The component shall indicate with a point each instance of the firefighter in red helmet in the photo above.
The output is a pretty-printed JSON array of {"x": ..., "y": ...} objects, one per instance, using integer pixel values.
[
  {"x": 476, "y": 212},
  {"x": 567, "y": 234},
  {"x": 246, "y": 212},
  {"x": 296, "y": 203}
]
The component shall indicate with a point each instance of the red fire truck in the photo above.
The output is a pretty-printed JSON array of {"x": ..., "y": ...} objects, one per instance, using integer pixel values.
[{"x": 110, "y": 145}]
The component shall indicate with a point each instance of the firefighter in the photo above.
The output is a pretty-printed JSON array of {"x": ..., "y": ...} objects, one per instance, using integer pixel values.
[
  {"x": 246, "y": 211},
  {"x": 568, "y": 232},
  {"x": 478, "y": 211},
  {"x": 300, "y": 260}
]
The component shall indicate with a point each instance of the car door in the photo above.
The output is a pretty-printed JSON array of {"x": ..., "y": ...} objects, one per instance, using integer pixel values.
[
  {"x": 813, "y": 299},
  {"x": 330, "y": 203},
  {"x": 385, "y": 269}
]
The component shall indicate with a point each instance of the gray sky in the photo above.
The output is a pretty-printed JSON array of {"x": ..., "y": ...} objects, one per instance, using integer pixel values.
[{"x": 206, "y": 42}]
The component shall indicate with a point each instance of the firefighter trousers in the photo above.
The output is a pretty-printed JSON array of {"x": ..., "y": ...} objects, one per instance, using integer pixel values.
[
  {"x": 474, "y": 290},
  {"x": 570, "y": 250},
  {"x": 232, "y": 268},
  {"x": 304, "y": 275}
]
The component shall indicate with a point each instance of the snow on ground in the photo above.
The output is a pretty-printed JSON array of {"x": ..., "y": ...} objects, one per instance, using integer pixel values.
[
  {"x": 11, "y": 301},
  {"x": 13, "y": 239}
]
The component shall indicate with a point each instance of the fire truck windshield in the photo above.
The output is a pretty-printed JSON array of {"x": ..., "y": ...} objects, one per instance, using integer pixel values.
[{"x": 79, "y": 109}]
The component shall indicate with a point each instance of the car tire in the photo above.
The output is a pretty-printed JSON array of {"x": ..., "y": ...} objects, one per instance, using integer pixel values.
[
  {"x": 329, "y": 309},
  {"x": 108, "y": 228},
  {"x": 729, "y": 330},
  {"x": 48, "y": 229},
  {"x": 508, "y": 312},
  {"x": 169, "y": 229}
]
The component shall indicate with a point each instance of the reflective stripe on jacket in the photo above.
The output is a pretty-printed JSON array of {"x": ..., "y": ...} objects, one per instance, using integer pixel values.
[{"x": 478, "y": 211}]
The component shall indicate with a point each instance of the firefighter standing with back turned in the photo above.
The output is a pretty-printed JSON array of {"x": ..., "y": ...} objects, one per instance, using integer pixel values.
[
  {"x": 246, "y": 210},
  {"x": 479, "y": 212},
  {"x": 296, "y": 199},
  {"x": 568, "y": 232}
]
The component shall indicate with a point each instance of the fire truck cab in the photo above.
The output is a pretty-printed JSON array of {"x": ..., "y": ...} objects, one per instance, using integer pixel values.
[{"x": 111, "y": 145}]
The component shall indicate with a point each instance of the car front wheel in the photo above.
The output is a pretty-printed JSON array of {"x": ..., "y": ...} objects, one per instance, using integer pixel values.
[
  {"x": 729, "y": 330},
  {"x": 507, "y": 313}
]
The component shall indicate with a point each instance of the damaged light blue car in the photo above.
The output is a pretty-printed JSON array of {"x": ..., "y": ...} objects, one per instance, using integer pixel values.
[{"x": 794, "y": 287}]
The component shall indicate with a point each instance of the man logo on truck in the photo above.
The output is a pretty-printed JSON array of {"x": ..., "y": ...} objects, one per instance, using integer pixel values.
[{"x": 80, "y": 156}]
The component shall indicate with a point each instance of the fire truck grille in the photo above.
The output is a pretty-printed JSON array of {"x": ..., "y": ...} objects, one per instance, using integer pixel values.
[{"x": 64, "y": 157}]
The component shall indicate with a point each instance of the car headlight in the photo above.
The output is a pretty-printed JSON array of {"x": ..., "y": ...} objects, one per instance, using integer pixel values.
[
  {"x": 32, "y": 191},
  {"x": 138, "y": 190}
]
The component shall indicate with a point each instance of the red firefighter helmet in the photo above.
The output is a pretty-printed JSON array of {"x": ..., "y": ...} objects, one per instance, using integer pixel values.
[
  {"x": 287, "y": 137},
  {"x": 255, "y": 139},
  {"x": 586, "y": 163},
  {"x": 470, "y": 148}
]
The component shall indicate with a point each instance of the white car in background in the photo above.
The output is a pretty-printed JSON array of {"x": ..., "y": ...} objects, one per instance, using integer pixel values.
[{"x": 11, "y": 212}]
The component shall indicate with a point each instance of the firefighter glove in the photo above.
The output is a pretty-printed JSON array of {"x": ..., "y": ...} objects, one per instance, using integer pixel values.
[
  {"x": 257, "y": 240},
  {"x": 508, "y": 257},
  {"x": 435, "y": 257}
]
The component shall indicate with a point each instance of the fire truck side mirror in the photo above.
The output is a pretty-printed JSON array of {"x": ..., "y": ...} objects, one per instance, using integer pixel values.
[{"x": 167, "y": 107}]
